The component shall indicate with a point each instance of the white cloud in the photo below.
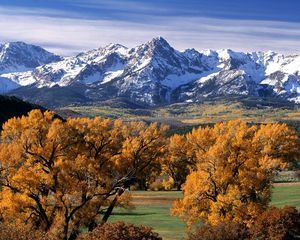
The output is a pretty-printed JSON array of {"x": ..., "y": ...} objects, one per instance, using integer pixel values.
[
  {"x": 126, "y": 6},
  {"x": 66, "y": 36}
]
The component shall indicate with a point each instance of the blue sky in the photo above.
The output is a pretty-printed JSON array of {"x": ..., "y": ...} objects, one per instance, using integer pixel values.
[{"x": 70, "y": 26}]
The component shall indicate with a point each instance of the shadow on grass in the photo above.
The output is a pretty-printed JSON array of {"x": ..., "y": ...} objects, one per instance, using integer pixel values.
[{"x": 132, "y": 214}]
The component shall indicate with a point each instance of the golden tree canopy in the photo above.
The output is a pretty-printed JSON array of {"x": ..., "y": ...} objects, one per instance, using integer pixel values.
[
  {"x": 62, "y": 176},
  {"x": 235, "y": 167}
]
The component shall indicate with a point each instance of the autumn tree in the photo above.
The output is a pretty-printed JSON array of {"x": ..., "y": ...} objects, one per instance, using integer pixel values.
[
  {"x": 61, "y": 177},
  {"x": 142, "y": 149},
  {"x": 177, "y": 163},
  {"x": 235, "y": 168}
]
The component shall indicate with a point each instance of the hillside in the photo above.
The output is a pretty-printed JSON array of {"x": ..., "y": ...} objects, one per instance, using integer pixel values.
[{"x": 14, "y": 107}]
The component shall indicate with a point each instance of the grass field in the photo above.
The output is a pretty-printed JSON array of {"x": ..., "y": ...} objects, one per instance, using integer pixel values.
[
  {"x": 286, "y": 194},
  {"x": 152, "y": 209}
]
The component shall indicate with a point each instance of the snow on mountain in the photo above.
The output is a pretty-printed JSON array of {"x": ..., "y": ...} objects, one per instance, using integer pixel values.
[
  {"x": 152, "y": 73},
  {"x": 20, "y": 57},
  {"x": 17, "y": 58},
  {"x": 254, "y": 74},
  {"x": 100, "y": 64}
]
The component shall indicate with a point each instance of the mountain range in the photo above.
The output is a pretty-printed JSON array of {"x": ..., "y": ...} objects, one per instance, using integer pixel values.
[{"x": 151, "y": 74}]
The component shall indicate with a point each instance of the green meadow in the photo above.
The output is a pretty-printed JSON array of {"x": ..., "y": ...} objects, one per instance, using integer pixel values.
[{"x": 153, "y": 209}]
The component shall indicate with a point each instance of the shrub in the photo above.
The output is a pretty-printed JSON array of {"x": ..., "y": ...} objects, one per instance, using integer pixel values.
[
  {"x": 120, "y": 230},
  {"x": 157, "y": 185},
  {"x": 272, "y": 224},
  {"x": 20, "y": 232},
  {"x": 222, "y": 231},
  {"x": 277, "y": 224},
  {"x": 168, "y": 184}
]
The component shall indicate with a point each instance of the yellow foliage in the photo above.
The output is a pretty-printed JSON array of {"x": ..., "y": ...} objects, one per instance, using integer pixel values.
[
  {"x": 179, "y": 160},
  {"x": 235, "y": 167},
  {"x": 168, "y": 184},
  {"x": 62, "y": 176}
]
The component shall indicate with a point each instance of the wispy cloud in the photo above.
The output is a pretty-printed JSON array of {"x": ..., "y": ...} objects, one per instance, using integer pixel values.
[
  {"x": 66, "y": 34},
  {"x": 128, "y": 5}
]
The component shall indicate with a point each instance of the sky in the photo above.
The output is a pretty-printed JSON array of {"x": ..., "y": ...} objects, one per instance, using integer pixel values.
[{"x": 67, "y": 27}]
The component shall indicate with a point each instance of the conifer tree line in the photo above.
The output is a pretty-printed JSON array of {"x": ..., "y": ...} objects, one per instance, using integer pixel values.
[{"x": 61, "y": 178}]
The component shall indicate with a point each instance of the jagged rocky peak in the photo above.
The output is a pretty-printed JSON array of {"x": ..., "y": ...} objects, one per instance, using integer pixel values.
[
  {"x": 230, "y": 55},
  {"x": 157, "y": 46},
  {"x": 20, "y": 56},
  {"x": 114, "y": 47},
  {"x": 192, "y": 53},
  {"x": 159, "y": 42},
  {"x": 99, "y": 54},
  {"x": 233, "y": 59},
  {"x": 200, "y": 60},
  {"x": 36, "y": 54}
]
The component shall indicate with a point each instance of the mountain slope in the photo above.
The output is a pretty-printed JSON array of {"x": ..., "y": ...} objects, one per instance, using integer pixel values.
[
  {"x": 154, "y": 73},
  {"x": 14, "y": 107},
  {"x": 19, "y": 57},
  {"x": 255, "y": 74}
]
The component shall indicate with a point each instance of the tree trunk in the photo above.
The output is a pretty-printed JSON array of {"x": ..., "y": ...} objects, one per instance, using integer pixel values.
[
  {"x": 177, "y": 184},
  {"x": 74, "y": 235},
  {"x": 112, "y": 205},
  {"x": 142, "y": 184},
  {"x": 92, "y": 225},
  {"x": 65, "y": 232},
  {"x": 65, "y": 229}
]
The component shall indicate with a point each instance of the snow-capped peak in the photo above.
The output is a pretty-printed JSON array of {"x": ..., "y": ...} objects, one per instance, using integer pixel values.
[
  {"x": 158, "y": 41},
  {"x": 156, "y": 45},
  {"x": 19, "y": 57},
  {"x": 153, "y": 72},
  {"x": 113, "y": 46},
  {"x": 117, "y": 48}
]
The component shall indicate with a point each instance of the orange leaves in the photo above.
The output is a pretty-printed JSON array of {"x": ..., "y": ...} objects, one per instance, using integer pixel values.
[
  {"x": 142, "y": 143},
  {"x": 68, "y": 171},
  {"x": 177, "y": 163},
  {"x": 234, "y": 170},
  {"x": 277, "y": 142}
]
